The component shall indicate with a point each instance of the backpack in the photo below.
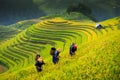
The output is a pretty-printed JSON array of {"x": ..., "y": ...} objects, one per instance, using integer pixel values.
[
  {"x": 74, "y": 48},
  {"x": 52, "y": 51}
]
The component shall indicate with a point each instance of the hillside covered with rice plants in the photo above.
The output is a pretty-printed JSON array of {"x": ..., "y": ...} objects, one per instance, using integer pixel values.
[{"x": 97, "y": 57}]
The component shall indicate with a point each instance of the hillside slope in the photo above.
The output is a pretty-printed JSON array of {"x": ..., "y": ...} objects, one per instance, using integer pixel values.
[
  {"x": 98, "y": 59},
  {"x": 13, "y": 11},
  {"x": 97, "y": 56},
  {"x": 7, "y": 32}
]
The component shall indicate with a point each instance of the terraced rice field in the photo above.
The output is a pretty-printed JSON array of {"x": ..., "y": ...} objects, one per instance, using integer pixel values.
[{"x": 18, "y": 53}]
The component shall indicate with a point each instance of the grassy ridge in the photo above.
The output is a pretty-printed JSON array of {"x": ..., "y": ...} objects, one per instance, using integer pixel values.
[
  {"x": 7, "y": 32},
  {"x": 97, "y": 56},
  {"x": 100, "y": 61}
]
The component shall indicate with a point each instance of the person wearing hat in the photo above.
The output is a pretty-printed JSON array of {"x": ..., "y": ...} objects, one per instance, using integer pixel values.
[
  {"x": 55, "y": 54},
  {"x": 39, "y": 63}
]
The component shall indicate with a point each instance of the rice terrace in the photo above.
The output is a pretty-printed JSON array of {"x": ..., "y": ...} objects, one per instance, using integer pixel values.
[{"x": 98, "y": 49}]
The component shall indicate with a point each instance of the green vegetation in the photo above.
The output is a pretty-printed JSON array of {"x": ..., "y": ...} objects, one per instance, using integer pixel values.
[
  {"x": 97, "y": 10},
  {"x": 7, "y": 32},
  {"x": 97, "y": 56},
  {"x": 71, "y": 16},
  {"x": 12, "y": 11}
]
